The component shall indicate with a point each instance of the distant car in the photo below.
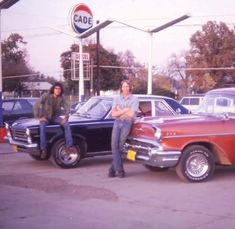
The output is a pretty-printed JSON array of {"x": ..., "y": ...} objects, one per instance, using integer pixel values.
[
  {"x": 17, "y": 108},
  {"x": 192, "y": 102},
  {"x": 91, "y": 128},
  {"x": 193, "y": 144}
]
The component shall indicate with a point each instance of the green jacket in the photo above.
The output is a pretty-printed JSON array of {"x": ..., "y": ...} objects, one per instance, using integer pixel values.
[{"x": 47, "y": 106}]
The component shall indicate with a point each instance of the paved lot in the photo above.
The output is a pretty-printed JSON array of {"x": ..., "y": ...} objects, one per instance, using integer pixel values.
[{"x": 38, "y": 195}]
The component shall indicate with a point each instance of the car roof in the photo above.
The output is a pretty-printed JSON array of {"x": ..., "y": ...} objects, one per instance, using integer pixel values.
[
  {"x": 230, "y": 90},
  {"x": 21, "y": 98},
  {"x": 142, "y": 96},
  {"x": 193, "y": 96}
]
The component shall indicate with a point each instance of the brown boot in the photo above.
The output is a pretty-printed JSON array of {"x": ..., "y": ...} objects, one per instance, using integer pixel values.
[{"x": 43, "y": 154}]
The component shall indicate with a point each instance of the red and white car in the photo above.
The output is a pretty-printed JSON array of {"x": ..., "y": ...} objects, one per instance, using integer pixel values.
[{"x": 193, "y": 144}]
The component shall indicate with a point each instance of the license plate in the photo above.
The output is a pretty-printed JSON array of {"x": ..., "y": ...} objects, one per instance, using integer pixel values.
[
  {"x": 131, "y": 155},
  {"x": 15, "y": 149}
]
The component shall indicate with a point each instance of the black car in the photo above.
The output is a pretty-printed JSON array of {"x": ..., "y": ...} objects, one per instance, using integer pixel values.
[
  {"x": 75, "y": 106},
  {"x": 91, "y": 127},
  {"x": 17, "y": 108}
]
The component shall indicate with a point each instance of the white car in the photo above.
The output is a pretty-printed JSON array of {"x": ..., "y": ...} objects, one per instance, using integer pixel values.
[{"x": 192, "y": 102}]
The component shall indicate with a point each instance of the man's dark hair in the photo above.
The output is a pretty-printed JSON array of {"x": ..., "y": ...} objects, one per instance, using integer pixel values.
[{"x": 57, "y": 84}]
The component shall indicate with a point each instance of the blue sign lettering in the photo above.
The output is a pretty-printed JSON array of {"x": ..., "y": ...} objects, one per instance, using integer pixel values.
[{"x": 83, "y": 19}]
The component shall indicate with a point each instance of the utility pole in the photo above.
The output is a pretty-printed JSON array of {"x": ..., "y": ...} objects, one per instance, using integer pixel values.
[{"x": 97, "y": 61}]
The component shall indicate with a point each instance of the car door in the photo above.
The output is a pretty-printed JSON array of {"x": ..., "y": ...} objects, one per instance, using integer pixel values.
[{"x": 98, "y": 132}]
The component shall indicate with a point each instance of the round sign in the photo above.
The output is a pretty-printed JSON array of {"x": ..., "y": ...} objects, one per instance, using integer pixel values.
[{"x": 81, "y": 18}]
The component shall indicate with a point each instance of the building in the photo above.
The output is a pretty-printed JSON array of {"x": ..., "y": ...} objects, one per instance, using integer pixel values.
[{"x": 36, "y": 89}]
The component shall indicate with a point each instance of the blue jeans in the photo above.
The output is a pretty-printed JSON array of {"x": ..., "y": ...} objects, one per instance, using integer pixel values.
[
  {"x": 55, "y": 120},
  {"x": 121, "y": 129}
]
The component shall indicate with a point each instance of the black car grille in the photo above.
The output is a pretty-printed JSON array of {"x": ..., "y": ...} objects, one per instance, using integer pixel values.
[{"x": 19, "y": 135}]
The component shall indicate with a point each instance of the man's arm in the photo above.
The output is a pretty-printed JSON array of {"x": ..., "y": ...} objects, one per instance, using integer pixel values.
[
  {"x": 117, "y": 112},
  {"x": 37, "y": 109},
  {"x": 66, "y": 106},
  {"x": 132, "y": 110}
]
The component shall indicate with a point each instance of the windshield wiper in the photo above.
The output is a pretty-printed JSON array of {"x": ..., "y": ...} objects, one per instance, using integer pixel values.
[{"x": 86, "y": 115}]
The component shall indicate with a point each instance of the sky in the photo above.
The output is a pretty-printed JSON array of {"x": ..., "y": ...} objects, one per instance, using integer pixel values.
[{"x": 37, "y": 22}]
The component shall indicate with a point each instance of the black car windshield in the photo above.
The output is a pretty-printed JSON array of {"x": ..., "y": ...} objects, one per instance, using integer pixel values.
[
  {"x": 217, "y": 104},
  {"x": 94, "y": 108},
  {"x": 32, "y": 100}
]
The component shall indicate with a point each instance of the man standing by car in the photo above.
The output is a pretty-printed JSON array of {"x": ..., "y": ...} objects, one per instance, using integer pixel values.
[
  {"x": 48, "y": 110},
  {"x": 124, "y": 108}
]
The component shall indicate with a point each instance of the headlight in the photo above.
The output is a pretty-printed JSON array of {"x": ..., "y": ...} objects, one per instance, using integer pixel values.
[
  {"x": 28, "y": 136},
  {"x": 27, "y": 131},
  {"x": 158, "y": 133},
  {"x": 7, "y": 126}
]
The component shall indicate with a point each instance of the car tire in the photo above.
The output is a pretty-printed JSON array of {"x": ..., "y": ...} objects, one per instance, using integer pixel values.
[
  {"x": 155, "y": 169},
  {"x": 196, "y": 164},
  {"x": 60, "y": 158}
]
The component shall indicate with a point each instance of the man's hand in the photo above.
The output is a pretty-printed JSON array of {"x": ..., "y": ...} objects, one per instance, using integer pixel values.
[
  {"x": 63, "y": 119},
  {"x": 128, "y": 114},
  {"x": 41, "y": 119}
]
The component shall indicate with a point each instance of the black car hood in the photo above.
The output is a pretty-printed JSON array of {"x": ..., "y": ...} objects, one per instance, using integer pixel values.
[{"x": 29, "y": 122}]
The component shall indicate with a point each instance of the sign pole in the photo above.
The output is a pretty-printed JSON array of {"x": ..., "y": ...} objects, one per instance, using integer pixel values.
[
  {"x": 149, "y": 90},
  {"x": 81, "y": 73},
  {"x": 81, "y": 21}
]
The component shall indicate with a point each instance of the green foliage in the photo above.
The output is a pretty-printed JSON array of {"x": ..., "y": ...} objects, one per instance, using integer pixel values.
[
  {"x": 14, "y": 62},
  {"x": 110, "y": 78},
  {"x": 213, "y": 47}
]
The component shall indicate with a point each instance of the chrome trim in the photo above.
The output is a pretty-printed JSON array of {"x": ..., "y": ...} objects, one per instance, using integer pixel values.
[
  {"x": 13, "y": 142},
  {"x": 151, "y": 142},
  {"x": 141, "y": 157},
  {"x": 162, "y": 159},
  {"x": 137, "y": 146},
  {"x": 166, "y": 153},
  {"x": 197, "y": 135}
]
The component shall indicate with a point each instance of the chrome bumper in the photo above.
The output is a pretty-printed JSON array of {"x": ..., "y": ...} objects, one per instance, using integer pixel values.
[
  {"x": 24, "y": 147},
  {"x": 21, "y": 144},
  {"x": 154, "y": 155}
]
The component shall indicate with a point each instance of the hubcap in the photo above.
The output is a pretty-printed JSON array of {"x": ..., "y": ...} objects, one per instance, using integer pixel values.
[
  {"x": 197, "y": 165},
  {"x": 66, "y": 158}
]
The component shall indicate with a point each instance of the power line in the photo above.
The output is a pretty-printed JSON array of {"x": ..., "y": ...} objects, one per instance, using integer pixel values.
[
  {"x": 121, "y": 67},
  {"x": 202, "y": 69}
]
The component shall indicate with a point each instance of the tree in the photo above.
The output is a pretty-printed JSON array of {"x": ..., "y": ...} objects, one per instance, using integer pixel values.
[
  {"x": 110, "y": 76},
  {"x": 131, "y": 68},
  {"x": 213, "y": 47},
  {"x": 181, "y": 81},
  {"x": 14, "y": 62}
]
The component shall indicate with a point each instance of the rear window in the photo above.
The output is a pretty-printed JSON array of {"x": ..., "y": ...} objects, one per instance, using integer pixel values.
[
  {"x": 185, "y": 101},
  {"x": 190, "y": 101},
  {"x": 194, "y": 101}
]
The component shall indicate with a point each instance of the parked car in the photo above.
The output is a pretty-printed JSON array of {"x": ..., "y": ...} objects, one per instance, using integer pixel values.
[
  {"x": 91, "y": 128},
  {"x": 17, "y": 108},
  {"x": 75, "y": 106},
  {"x": 193, "y": 144},
  {"x": 192, "y": 102}
]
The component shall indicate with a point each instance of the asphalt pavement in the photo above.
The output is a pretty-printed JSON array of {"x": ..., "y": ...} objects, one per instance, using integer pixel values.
[{"x": 38, "y": 195}]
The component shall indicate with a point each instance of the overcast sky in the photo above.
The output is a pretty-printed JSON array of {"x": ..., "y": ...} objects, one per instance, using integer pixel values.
[{"x": 34, "y": 20}]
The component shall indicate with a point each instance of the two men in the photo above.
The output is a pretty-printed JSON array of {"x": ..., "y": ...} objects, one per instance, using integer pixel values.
[
  {"x": 53, "y": 108},
  {"x": 125, "y": 106}
]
